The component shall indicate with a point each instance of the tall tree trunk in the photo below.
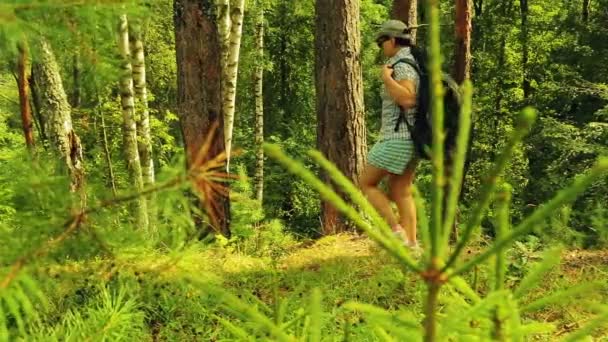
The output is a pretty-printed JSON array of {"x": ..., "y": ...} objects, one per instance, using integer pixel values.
[
  {"x": 230, "y": 66},
  {"x": 259, "y": 104},
  {"x": 406, "y": 11},
  {"x": 462, "y": 66},
  {"x": 523, "y": 4},
  {"x": 76, "y": 79},
  {"x": 56, "y": 111},
  {"x": 199, "y": 96},
  {"x": 340, "y": 115},
  {"x": 129, "y": 128},
  {"x": 144, "y": 139},
  {"x": 35, "y": 105},
  {"x": 586, "y": 5},
  {"x": 24, "y": 101}
]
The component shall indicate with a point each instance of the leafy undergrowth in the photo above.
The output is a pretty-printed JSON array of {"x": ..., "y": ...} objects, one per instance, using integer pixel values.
[{"x": 160, "y": 297}]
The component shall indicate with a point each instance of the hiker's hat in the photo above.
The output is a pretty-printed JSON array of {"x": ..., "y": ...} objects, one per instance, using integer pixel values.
[{"x": 393, "y": 29}]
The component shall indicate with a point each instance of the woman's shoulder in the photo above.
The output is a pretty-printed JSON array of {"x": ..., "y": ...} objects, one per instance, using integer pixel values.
[{"x": 405, "y": 71}]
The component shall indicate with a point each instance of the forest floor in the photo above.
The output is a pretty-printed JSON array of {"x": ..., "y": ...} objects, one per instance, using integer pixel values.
[{"x": 345, "y": 268}]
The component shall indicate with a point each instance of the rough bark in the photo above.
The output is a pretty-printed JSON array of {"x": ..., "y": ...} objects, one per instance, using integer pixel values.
[
  {"x": 230, "y": 63},
  {"x": 129, "y": 128},
  {"x": 24, "y": 102},
  {"x": 35, "y": 105},
  {"x": 462, "y": 65},
  {"x": 340, "y": 115},
  {"x": 406, "y": 11},
  {"x": 144, "y": 138},
  {"x": 56, "y": 111},
  {"x": 259, "y": 106},
  {"x": 199, "y": 97}
]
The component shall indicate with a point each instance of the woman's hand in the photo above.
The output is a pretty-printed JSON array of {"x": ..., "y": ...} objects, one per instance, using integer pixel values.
[{"x": 387, "y": 72}]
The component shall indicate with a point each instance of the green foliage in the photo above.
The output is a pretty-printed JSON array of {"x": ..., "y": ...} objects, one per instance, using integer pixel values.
[{"x": 107, "y": 281}]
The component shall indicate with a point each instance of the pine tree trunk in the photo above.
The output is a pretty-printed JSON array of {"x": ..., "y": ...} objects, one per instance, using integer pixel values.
[
  {"x": 199, "y": 95},
  {"x": 525, "y": 49},
  {"x": 340, "y": 114},
  {"x": 462, "y": 66},
  {"x": 56, "y": 111},
  {"x": 24, "y": 101},
  {"x": 259, "y": 106},
  {"x": 230, "y": 69},
  {"x": 129, "y": 128},
  {"x": 406, "y": 11}
]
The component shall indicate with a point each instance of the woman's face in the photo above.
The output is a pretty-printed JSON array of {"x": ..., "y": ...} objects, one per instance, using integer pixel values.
[{"x": 387, "y": 44}]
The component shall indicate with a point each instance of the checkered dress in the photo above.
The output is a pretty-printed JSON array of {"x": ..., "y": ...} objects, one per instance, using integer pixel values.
[{"x": 395, "y": 150}]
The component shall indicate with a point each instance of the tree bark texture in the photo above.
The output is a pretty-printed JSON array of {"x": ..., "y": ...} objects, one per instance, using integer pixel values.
[
  {"x": 230, "y": 67},
  {"x": 24, "y": 101},
  {"x": 259, "y": 106},
  {"x": 340, "y": 113},
  {"x": 462, "y": 65},
  {"x": 144, "y": 138},
  {"x": 199, "y": 96},
  {"x": 129, "y": 127},
  {"x": 406, "y": 11},
  {"x": 56, "y": 111}
]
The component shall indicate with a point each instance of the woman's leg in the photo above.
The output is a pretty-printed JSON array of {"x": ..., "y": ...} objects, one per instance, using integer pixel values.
[
  {"x": 368, "y": 182},
  {"x": 401, "y": 193}
]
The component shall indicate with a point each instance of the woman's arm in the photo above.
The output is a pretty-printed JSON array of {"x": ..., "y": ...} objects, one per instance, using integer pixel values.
[{"x": 403, "y": 91}]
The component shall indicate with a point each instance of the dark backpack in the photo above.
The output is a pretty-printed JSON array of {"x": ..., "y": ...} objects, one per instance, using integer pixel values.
[{"x": 421, "y": 130}]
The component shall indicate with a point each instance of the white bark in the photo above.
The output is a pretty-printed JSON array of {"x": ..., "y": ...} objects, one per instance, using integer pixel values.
[
  {"x": 129, "y": 126},
  {"x": 231, "y": 28},
  {"x": 144, "y": 139},
  {"x": 56, "y": 111},
  {"x": 259, "y": 106}
]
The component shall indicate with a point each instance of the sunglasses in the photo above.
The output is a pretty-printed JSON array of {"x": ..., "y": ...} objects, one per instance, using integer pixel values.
[{"x": 381, "y": 40}]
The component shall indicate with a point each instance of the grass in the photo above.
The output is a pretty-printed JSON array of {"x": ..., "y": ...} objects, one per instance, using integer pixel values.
[{"x": 345, "y": 268}]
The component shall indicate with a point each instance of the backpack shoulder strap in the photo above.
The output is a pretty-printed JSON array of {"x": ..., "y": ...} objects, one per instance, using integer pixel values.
[{"x": 409, "y": 62}]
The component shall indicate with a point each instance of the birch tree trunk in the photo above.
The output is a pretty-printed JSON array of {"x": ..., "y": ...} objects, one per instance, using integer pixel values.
[
  {"x": 129, "y": 128},
  {"x": 199, "y": 98},
  {"x": 56, "y": 111},
  {"x": 259, "y": 105},
  {"x": 231, "y": 29},
  {"x": 406, "y": 11},
  {"x": 144, "y": 139},
  {"x": 24, "y": 101},
  {"x": 339, "y": 87}
]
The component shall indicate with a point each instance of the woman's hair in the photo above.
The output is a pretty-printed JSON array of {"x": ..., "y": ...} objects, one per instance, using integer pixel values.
[{"x": 403, "y": 41}]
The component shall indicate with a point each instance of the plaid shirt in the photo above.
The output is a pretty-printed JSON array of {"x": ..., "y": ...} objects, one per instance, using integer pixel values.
[{"x": 390, "y": 109}]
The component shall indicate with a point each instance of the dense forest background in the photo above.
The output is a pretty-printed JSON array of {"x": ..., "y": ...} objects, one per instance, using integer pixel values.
[{"x": 108, "y": 251}]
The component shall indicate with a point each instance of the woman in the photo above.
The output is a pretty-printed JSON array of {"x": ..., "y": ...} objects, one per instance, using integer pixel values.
[{"x": 393, "y": 156}]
